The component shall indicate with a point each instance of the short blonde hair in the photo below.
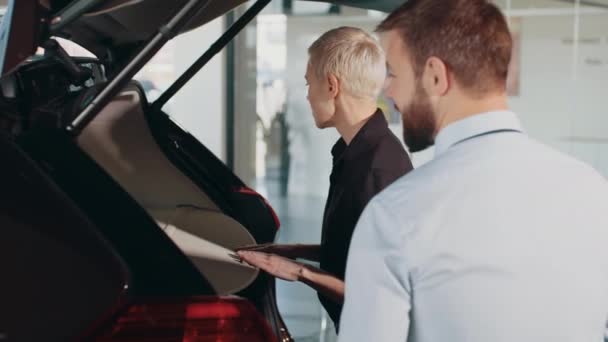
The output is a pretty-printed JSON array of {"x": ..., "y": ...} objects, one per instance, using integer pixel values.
[{"x": 354, "y": 57}]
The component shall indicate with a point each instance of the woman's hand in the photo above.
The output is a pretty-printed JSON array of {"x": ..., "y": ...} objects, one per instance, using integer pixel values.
[
  {"x": 273, "y": 264},
  {"x": 286, "y": 251}
]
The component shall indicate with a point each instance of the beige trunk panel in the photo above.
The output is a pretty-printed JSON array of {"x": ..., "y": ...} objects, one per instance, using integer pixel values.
[{"x": 120, "y": 141}]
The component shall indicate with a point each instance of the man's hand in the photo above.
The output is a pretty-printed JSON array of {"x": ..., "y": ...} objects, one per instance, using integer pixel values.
[
  {"x": 286, "y": 251},
  {"x": 275, "y": 265}
]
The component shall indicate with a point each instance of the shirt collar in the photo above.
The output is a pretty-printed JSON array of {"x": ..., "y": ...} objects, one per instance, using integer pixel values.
[
  {"x": 473, "y": 126},
  {"x": 367, "y": 137}
]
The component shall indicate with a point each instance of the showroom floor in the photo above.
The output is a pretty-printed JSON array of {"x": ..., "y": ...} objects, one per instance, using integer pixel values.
[{"x": 300, "y": 223}]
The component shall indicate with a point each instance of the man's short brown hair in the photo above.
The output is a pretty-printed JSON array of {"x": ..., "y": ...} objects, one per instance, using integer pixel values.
[{"x": 471, "y": 36}]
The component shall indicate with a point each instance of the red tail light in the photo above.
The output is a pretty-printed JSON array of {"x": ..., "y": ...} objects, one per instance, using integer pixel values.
[
  {"x": 249, "y": 191},
  {"x": 204, "y": 319}
]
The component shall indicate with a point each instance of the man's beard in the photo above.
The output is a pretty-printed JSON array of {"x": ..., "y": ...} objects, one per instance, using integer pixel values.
[{"x": 419, "y": 122}]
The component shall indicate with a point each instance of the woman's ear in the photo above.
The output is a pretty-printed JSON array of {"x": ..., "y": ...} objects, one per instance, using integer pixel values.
[{"x": 333, "y": 85}]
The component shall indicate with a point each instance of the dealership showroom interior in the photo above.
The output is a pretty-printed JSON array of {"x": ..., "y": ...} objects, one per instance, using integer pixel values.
[{"x": 145, "y": 142}]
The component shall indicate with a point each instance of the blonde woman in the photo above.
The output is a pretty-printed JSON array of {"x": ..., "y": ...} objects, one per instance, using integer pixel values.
[{"x": 345, "y": 74}]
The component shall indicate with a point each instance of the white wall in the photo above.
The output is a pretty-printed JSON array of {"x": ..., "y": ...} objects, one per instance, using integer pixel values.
[
  {"x": 200, "y": 106},
  {"x": 563, "y": 97}
]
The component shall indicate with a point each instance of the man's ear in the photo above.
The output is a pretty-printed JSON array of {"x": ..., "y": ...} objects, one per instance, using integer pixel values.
[
  {"x": 436, "y": 77},
  {"x": 333, "y": 85}
]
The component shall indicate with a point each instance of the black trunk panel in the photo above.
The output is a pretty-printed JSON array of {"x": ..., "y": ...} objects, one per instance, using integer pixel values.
[{"x": 59, "y": 276}]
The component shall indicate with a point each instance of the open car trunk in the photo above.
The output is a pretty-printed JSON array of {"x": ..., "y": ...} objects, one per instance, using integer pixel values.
[
  {"x": 169, "y": 208},
  {"x": 166, "y": 205}
]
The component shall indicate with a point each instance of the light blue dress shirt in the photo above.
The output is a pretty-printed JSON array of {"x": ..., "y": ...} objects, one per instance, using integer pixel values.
[{"x": 498, "y": 239}]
